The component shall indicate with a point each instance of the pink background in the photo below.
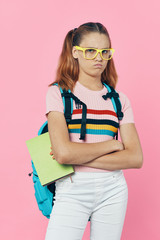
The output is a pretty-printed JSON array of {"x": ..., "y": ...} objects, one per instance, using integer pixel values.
[{"x": 32, "y": 34}]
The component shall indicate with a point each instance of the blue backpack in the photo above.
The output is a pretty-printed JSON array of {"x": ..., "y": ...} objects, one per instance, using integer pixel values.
[{"x": 45, "y": 194}]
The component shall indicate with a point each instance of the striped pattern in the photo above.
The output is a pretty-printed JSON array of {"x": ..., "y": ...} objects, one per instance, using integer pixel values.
[{"x": 94, "y": 124}]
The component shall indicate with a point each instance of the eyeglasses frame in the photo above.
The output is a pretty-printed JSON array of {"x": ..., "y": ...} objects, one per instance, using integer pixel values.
[{"x": 98, "y": 50}]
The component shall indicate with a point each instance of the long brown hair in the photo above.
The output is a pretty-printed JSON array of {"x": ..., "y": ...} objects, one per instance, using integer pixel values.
[{"x": 68, "y": 69}]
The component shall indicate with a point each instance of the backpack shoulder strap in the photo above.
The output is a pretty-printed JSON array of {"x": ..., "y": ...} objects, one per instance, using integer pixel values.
[
  {"x": 114, "y": 96},
  {"x": 67, "y": 97},
  {"x": 67, "y": 102}
]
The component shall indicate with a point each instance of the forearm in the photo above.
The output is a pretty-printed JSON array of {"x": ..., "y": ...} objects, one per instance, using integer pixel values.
[
  {"x": 124, "y": 159},
  {"x": 79, "y": 153}
]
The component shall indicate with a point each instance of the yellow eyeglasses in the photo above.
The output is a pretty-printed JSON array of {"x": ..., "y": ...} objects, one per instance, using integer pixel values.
[{"x": 91, "y": 53}]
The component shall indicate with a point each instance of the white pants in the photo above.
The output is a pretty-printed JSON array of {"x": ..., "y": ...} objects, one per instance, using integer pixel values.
[{"x": 102, "y": 196}]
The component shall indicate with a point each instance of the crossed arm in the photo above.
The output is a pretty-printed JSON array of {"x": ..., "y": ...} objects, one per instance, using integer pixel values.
[
  {"x": 109, "y": 155},
  {"x": 130, "y": 157}
]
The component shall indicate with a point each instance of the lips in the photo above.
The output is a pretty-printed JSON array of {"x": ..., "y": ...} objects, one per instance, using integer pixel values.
[{"x": 98, "y": 65}]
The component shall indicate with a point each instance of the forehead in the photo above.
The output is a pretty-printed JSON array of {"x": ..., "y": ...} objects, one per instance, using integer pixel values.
[{"x": 95, "y": 40}]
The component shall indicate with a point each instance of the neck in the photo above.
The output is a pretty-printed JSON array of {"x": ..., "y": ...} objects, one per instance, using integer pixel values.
[{"x": 91, "y": 82}]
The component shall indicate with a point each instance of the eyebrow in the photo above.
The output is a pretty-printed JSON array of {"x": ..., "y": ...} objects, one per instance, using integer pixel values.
[{"x": 97, "y": 48}]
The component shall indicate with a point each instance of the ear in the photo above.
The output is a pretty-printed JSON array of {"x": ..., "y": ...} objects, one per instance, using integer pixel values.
[{"x": 75, "y": 52}]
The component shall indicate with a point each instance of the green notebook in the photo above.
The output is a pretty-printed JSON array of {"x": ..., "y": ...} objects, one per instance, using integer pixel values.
[{"x": 48, "y": 169}]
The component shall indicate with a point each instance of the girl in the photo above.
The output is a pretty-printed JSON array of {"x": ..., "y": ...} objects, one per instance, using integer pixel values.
[{"x": 98, "y": 188}]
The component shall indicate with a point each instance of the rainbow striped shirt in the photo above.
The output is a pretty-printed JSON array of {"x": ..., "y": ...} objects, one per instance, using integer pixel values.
[{"x": 101, "y": 120}]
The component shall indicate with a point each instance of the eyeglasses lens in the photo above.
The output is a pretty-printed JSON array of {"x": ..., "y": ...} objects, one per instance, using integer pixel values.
[{"x": 90, "y": 53}]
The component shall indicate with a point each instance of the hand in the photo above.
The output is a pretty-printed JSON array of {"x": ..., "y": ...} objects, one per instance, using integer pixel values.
[
  {"x": 51, "y": 153},
  {"x": 120, "y": 145}
]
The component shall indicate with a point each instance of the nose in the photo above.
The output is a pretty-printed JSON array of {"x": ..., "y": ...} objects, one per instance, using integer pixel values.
[{"x": 98, "y": 57}]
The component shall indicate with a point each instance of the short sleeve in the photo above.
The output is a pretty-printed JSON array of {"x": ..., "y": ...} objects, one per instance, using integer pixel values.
[
  {"x": 128, "y": 116},
  {"x": 54, "y": 100}
]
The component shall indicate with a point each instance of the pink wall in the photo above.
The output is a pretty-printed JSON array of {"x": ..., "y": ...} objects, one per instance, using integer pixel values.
[{"x": 32, "y": 33}]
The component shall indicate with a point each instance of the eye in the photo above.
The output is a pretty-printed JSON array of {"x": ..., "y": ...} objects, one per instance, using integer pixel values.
[
  {"x": 90, "y": 50},
  {"x": 105, "y": 51}
]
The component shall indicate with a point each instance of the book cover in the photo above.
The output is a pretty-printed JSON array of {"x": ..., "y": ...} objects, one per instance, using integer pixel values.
[{"x": 48, "y": 169}]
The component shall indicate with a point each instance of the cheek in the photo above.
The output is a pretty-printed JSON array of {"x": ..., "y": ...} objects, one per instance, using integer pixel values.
[
  {"x": 84, "y": 64},
  {"x": 104, "y": 67}
]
